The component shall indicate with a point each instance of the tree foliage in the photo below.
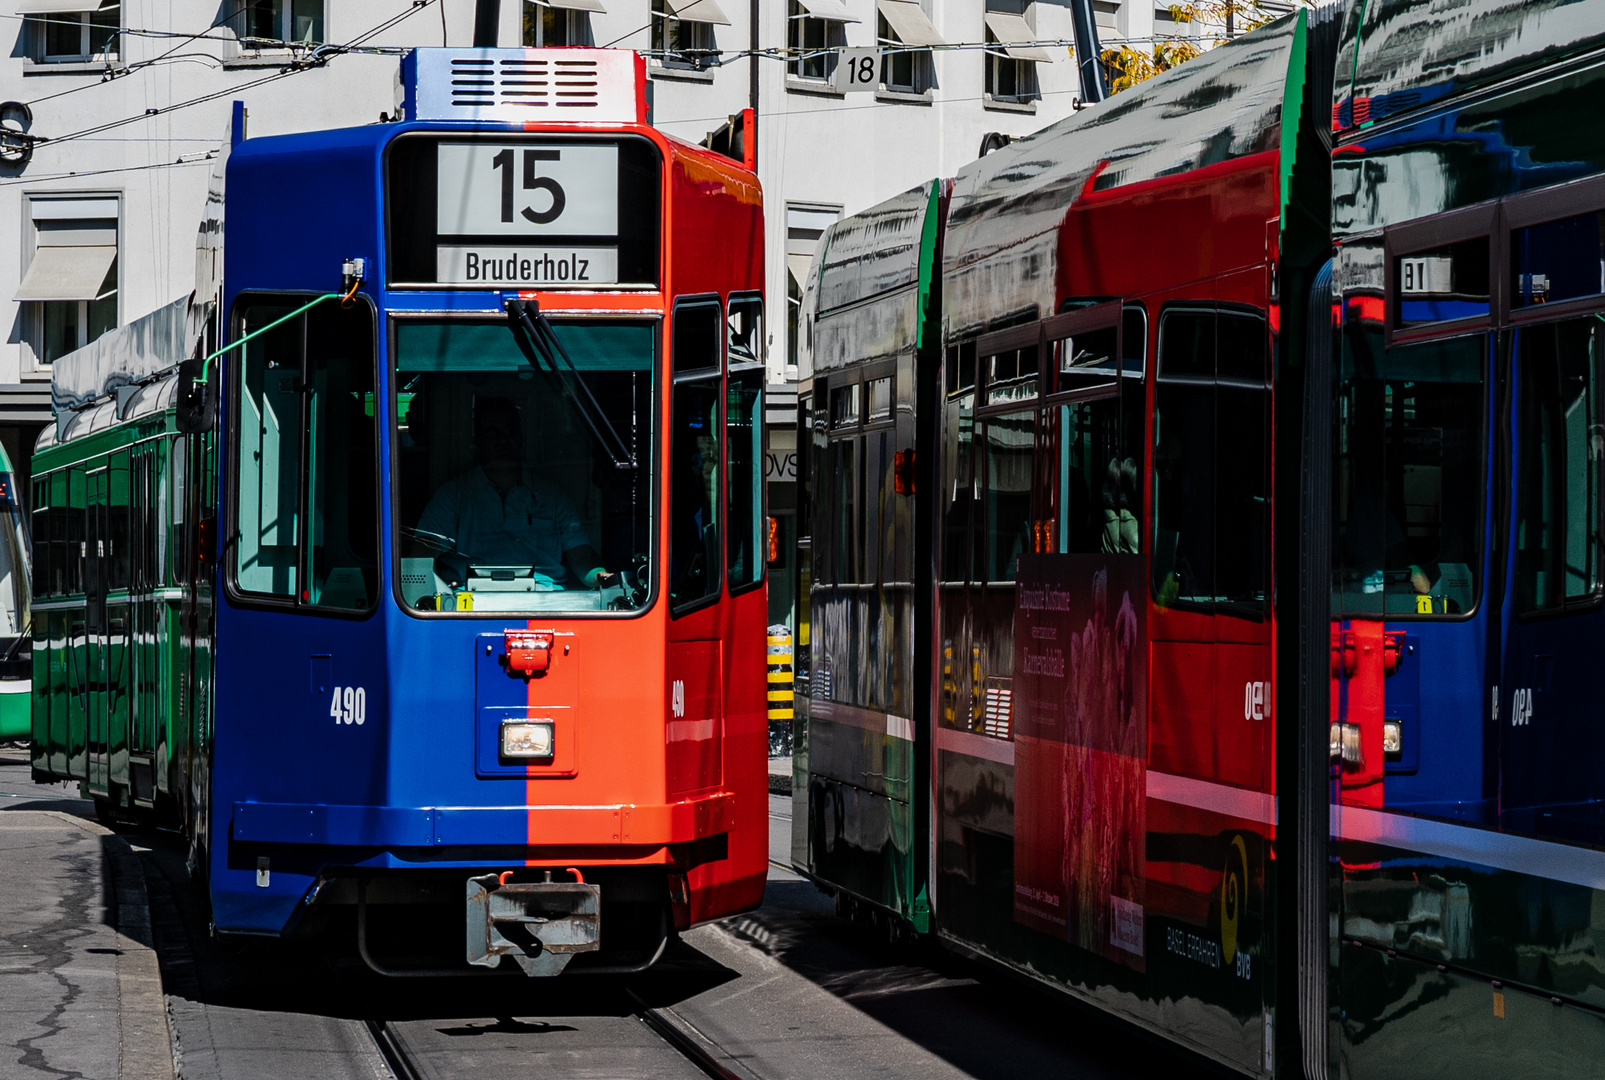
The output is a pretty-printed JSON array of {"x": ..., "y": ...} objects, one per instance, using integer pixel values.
[{"x": 1216, "y": 21}]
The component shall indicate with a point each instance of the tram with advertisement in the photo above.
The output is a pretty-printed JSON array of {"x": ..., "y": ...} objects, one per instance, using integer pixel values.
[
  {"x": 430, "y": 584},
  {"x": 1204, "y": 501}
]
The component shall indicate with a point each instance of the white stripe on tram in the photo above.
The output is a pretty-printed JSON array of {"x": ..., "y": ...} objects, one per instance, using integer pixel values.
[
  {"x": 1464, "y": 843},
  {"x": 1216, "y": 798}
]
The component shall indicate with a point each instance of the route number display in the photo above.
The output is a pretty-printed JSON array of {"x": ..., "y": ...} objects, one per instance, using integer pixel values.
[
  {"x": 523, "y": 214},
  {"x": 858, "y": 69}
]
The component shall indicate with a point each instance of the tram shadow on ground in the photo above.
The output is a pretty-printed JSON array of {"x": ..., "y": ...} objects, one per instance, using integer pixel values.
[{"x": 324, "y": 975}]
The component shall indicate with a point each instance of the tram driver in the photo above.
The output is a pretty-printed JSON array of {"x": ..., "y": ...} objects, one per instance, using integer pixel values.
[{"x": 500, "y": 514}]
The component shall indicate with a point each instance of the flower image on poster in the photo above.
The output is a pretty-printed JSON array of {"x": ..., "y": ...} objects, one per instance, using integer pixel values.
[{"x": 1081, "y": 714}]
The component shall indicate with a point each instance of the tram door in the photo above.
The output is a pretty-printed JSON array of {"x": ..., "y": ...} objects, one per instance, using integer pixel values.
[
  {"x": 97, "y": 666},
  {"x": 1551, "y": 745}
]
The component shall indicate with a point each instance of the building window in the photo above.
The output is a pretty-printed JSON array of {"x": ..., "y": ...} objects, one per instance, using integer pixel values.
[
  {"x": 812, "y": 39},
  {"x": 271, "y": 21},
  {"x": 83, "y": 36},
  {"x": 682, "y": 32},
  {"x": 548, "y": 25},
  {"x": 69, "y": 288},
  {"x": 905, "y": 70},
  {"x": 1011, "y": 59}
]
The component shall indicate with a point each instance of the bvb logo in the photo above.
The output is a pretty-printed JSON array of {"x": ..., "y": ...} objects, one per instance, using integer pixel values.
[{"x": 1233, "y": 892}]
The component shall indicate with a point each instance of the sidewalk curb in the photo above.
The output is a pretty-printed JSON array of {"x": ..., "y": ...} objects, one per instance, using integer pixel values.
[{"x": 144, "y": 1044}]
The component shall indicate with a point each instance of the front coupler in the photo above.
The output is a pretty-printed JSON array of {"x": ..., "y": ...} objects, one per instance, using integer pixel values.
[{"x": 540, "y": 924}]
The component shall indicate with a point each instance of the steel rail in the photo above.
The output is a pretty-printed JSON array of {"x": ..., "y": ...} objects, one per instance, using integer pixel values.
[{"x": 682, "y": 1041}]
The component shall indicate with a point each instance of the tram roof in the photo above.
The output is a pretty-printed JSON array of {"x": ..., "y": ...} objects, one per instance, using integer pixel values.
[
  {"x": 1396, "y": 56},
  {"x": 1003, "y": 222}
]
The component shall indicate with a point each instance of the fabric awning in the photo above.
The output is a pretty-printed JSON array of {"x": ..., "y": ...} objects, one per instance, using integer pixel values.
[
  {"x": 703, "y": 11},
  {"x": 55, "y": 7},
  {"x": 572, "y": 5},
  {"x": 799, "y": 266},
  {"x": 909, "y": 22},
  {"x": 834, "y": 10},
  {"x": 66, "y": 272},
  {"x": 1010, "y": 30}
]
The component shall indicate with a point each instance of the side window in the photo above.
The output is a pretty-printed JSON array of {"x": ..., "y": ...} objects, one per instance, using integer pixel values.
[
  {"x": 1242, "y": 425},
  {"x": 43, "y": 556},
  {"x": 1009, "y": 441},
  {"x": 694, "y": 481},
  {"x": 118, "y": 539},
  {"x": 304, "y": 425},
  {"x": 745, "y": 540},
  {"x": 1098, "y": 491},
  {"x": 1558, "y": 489},
  {"x": 1184, "y": 460}
]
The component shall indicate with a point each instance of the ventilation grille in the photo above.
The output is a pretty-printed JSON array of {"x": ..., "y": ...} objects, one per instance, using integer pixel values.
[
  {"x": 478, "y": 83},
  {"x": 998, "y": 721}
]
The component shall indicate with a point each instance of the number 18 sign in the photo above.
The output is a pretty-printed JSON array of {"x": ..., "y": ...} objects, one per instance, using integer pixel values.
[{"x": 858, "y": 69}]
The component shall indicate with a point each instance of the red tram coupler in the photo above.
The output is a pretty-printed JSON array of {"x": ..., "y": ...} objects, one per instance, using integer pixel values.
[{"x": 529, "y": 652}]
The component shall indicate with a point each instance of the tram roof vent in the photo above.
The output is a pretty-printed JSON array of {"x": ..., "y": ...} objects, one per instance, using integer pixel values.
[{"x": 519, "y": 86}]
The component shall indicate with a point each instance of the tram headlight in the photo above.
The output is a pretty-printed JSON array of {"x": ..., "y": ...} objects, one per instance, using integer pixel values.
[
  {"x": 1392, "y": 737},
  {"x": 527, "y": 740}
]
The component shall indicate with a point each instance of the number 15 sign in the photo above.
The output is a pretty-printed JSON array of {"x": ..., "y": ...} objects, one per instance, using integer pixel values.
[{"x": 523, "y": 189}]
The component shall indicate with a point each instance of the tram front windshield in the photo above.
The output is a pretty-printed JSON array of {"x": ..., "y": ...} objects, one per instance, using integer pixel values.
[
  {"x": 14, "y": 590},
  {"x": 523, "y": 470}
]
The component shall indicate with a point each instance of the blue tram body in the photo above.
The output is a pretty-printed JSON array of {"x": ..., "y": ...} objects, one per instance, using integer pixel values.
[{"x": 381, "y": 711}]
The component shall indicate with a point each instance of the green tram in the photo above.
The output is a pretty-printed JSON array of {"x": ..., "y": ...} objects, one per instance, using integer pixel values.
[
  {"x": 1205, "y": 505},
  {"x": 16, "y": 662},
  {"x": 121, "y": 608}
]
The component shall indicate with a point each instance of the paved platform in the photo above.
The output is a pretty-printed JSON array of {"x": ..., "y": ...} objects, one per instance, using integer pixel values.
[{"x": 80, "y": 989}]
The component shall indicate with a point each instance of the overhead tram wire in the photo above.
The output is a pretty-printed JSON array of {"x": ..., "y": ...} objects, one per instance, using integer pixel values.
[
  {"x": 209, "y": 155},
  {"x": 318, "y": 57}
]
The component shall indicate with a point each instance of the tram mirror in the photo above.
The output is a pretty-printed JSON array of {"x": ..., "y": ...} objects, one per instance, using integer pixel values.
[{"x": 197, "y": 401}]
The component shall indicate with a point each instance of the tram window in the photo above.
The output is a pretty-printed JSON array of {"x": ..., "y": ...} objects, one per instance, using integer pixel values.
[
  {"x": 744, "y": 461},
  {"x": 1445, "y": 283},
  {"x": 960, "y": 488},
  {"x": 849, "y": 550},
  {"x": 1559, "y": 451},
  {"x": 1010, "y": 451},
  {"x": 694, "y": 480},
  {"x": 961, "y": 367},
  {"x": 844, "y": 405},
  {"x": 1098, "y": 489},
  {"x": 508, "y": 499},
  {"x": 306, "y": 486},
  {"x": 1184, "y": 460},
  {"x": 1409, "y": 475},
  {"x": 1011, "y": 376},
  {"x": 1210, "y": 434},
  {"x": 1086, "y": 359},
  {"x": 1558, "y": 260},
  {"x": 76, "y": 512},
  {"x": 117, "y": 560},
  {"x": 878, "y": 399}
]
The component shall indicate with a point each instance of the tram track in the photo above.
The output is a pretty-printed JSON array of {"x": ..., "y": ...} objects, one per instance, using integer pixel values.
[{"x": 695, "y": 1048}]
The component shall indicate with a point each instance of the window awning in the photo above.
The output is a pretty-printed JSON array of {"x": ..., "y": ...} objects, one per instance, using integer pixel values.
[
  {"x": 703, "y": 11},
  {"x": 572, "y": 5},
  {"x": 799, "y": 265},
  {"x": 66, "y": 272},
  {"x": 909, "y": 22},
  {"x": 1012, "y": 29},
  {"x": 834, "y": 10},
  {"x": 55, "y": 7}
]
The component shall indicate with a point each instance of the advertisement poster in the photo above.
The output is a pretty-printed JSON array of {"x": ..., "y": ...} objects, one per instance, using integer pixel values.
[{"x": 1081, "y": 727}]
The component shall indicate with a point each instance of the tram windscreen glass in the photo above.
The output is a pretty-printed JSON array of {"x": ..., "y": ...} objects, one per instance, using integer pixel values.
[
  {"x": 1441, "y": 285},
  {"x": 1409, "y": 475},
  {"x": 520, "y": 487},
  {"x": 1558, "y": 260}
]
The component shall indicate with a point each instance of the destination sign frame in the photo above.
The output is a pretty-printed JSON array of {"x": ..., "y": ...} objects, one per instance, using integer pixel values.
[{"x": 507, "y": 210}]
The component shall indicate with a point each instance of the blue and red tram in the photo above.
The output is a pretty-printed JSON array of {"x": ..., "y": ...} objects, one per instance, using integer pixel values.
[
  {"x": 1209, "y": 485},
  {"x": 469, "y": 580}
]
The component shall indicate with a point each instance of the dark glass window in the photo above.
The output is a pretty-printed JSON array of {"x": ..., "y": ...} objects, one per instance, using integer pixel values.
[
  {"x": 304, "y": 425},
  {"x": 1558, "y": 260},
  {"x": 1444, "y": 283},
  {"x": 960, "y": 486},
  {"x": 1408, "y": 476},
  {"x": 1558, "y": 454},
  {"x": 1098, "y": 485},
  {"x": 118, "y": 553},
  {"x": 878, "y": 395},
  {"x": 848, "y": 550},
  {"x": 844, "y": 405},
  {"x": 694, "y": 480},
  {"x": 746, "y": 543},
  {"x": 1010, "y": 453},
  {"x": 1210, "y": 433}
]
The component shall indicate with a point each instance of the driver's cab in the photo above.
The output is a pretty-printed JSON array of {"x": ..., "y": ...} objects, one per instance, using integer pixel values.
[{"x": 523, "y": 464}]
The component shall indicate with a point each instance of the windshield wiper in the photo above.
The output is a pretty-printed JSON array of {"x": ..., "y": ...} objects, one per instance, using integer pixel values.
[{"x": 543, "y": 339}]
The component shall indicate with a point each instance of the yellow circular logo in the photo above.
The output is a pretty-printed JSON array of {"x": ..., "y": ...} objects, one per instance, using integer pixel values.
[{"x": 1233, "y": 887}]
